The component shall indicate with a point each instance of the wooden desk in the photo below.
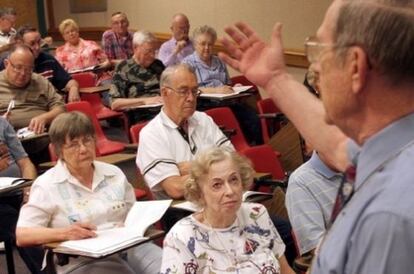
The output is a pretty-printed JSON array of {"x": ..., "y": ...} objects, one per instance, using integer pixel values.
[
  {"x": 97, "y": 89},
  {"x": 223, "y": 97},
  {"x": 53, "y": 248}
]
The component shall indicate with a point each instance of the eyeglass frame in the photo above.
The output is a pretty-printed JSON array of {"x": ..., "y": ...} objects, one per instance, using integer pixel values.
[
  {"x": 86, "y": 141},
  {"x": 312, "y": 43},
  {"x": 187, "y": 92},
  {"x": 20, "y": 69}
]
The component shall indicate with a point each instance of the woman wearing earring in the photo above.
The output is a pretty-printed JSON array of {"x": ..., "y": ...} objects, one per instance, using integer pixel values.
[{"x": 226, "y": 235}]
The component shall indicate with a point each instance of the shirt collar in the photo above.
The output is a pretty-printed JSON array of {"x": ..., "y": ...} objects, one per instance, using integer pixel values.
[
  {"x": 192, "y": 122},
  {"x": 321, "y": 167},
  {"x": 383, "y": 145}
]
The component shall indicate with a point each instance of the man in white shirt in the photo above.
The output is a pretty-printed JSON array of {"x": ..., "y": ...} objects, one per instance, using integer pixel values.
[{"x": 7, "y": 22}]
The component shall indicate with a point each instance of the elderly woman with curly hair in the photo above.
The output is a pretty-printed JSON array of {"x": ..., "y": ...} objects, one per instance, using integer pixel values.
[{"x": 226, "y": 235}]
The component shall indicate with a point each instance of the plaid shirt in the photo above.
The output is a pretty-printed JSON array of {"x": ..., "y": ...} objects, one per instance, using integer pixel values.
[{"x": 117, "y": 47}]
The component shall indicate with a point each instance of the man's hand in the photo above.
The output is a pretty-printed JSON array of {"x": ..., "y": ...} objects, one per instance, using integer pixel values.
[
  {"x": 179, "y": 46},
  {"x": 73, "y": 95},
  {"x": 78, "y": 231},
  {"x": 258, "y": 61},
  {"x": 37, "y": 125}
]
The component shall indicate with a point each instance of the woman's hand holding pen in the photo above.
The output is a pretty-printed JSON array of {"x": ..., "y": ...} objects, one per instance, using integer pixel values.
[{"x": 79, "y": 231}]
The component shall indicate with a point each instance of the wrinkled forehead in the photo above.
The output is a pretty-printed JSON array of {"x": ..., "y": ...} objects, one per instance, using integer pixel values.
[{"x": 118, "y": 18}]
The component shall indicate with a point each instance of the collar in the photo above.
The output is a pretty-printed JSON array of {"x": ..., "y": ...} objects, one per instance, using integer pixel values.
[
  {"x": 61, "y": 174},
  {"x": 191, "y": 122},
  {"x": 384, "y": 144},
  {"x": 321, "y": 167}
]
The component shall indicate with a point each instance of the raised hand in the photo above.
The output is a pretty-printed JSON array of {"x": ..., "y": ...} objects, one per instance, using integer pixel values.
[{"x": 258, "y": 61}]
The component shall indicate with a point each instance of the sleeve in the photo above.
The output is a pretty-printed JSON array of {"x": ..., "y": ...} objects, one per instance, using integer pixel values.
[
  {"x": 54, "y": 98},
  {"x": 38, "y": 210},
  {"x": 304, "y": 212},
  {"x": 107, "y": 46},
  {"x": 119, "y": 82},
  {"x": 60, "y": 56},
  {"x": 99, "y": 53},
  {"x": 219, "y": 139},
  {"x": 15, "y": 147},
  {"x": 176, "y": 258},
  {"x": 155, "y": 158},
  {"x": 166, "y": 55},
  {"x": 61, "y": 77},
  {"x": 383, "y": 243},
  {"x": 227, "y": 80}
]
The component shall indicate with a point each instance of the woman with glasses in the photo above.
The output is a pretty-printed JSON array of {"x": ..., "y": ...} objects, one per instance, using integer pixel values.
[
  {"x": 225, "y": 235},
  {"x": 77, "y": 196}
]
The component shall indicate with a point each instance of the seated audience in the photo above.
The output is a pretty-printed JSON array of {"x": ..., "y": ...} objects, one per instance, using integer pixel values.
[
  {"x": 7, "y": 22},
  {"x": 136, "y": 80},
  {"x": 36, "y": 102},
  {"x": 117, "y": 42},
  {"x": 45, "y": 64},
  {"x": 213, "y": 77},
  {"x": 78, "y": 54},
  {"x": 226, "y": 235},
  {"x": 310, "y": 197},
  {"x": 179, "y": 46},
  {"x": 171, "y": 140},
  {"x": 70, "y": 200}
]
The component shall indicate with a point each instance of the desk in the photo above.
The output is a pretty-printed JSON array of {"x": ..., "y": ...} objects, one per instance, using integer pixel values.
[
  {"x": 34, "y": 137},
  {"x": 53, "y": 248},
  {"x": 15, "y": 187},
  {"x": 97, "y": 89}
]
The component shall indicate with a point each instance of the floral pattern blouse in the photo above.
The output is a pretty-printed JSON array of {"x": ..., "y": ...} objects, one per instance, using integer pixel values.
[{"x": 250, "y": 245}]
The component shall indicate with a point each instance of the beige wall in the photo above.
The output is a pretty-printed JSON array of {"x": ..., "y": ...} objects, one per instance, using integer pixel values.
[
  {"x": 26, "y": 11},
  {"x": 300, "y": 17}
]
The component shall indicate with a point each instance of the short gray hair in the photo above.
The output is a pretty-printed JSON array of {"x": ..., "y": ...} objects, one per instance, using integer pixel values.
[
  {"x": 7, "y": 11},
  {"x": 143, "y": 36},
  {"x": 205, "y": 30},
  {"x": 384, "y": 29},
  {"x": 200, "y": 167},
  {"x": 165, "y": 78},
  {"x": 72, "y": 124}
]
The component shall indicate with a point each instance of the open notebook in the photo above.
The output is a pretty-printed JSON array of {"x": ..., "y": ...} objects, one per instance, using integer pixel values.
[
  {"x": 236, "y": 90},
  {"x": 11, "y": 182},
  {"x": 108, "y": 241},
  {"x": 247, "y": 196}
]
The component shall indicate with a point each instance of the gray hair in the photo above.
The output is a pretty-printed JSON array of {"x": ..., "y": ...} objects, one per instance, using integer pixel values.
[
  {"x": 384, "y": 29},
  {"x": 7, "y": 11},
  {"x": 143, "y": 36},
  {"x": 201, "y": 165},
  {"x": 204, "y": 30},
  {"x": 72, "y": 124},
  {"x": 165, "y": 78}
]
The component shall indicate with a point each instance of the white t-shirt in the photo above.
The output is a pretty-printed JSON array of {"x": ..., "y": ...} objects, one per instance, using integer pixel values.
[{"x": 250, "y": 245}]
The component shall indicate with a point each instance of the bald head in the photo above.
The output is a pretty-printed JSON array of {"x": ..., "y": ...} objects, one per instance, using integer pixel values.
[
  {"x": 19, "y": 66},
  {"x": 180, "y": 27}
]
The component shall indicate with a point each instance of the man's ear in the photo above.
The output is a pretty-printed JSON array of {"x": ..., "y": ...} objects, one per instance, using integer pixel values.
[
  {"x": 6, "y": 62},
  {"x": 163, "y": 91},
  {"x": 359, "y": 67}
]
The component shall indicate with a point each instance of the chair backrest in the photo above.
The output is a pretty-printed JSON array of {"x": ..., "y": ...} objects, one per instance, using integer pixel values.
[
  {"x": 241, "y": 79},
  {"x": 269, "y": 126},
  {"x": 135, "y": 130},
  {"x": 224, "y": 117},
  {"x": 265, "y": 160},
  {"x": 85, "y": 79}
]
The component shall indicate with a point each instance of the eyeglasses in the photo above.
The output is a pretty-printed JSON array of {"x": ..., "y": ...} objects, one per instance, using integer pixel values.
[
  {"x": 20, "y": 68},
  {"x": 314, "y": 49},
  {"x": 184, "y": 92},
  {"x": 76, "y": 144}
]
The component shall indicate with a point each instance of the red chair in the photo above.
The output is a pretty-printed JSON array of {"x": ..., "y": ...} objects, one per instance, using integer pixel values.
[
  {"x": 103, "y": 145},
  {"x": 266, "y": 160},
  {"x": 241, "y": 79},
  {"x": 271, "y": 118},
  {"x": 224, "y": 117},
  {"x": 135, "y": 130},
  {"x": 88, "y": 79}
]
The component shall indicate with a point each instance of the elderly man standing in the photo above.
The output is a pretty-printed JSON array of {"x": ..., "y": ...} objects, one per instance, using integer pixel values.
[
  {"x": 170, "y": 141},
  {"x": 45, "y": 64},
  {"x": 117, "y": 42},
  {"x": 36, "y": 102},
  {"x": 7, "y": 22},
  {"x": 363, "y": 55},
  {"x": 179, "y": 46},
  {"x": 136, "y": 80}
]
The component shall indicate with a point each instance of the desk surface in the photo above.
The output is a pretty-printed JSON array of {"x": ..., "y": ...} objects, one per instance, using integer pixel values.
[
  {"x": 16, "y": 187},
  {"x": 224, "y": 97},
  {"x": 34, "y": 137},
  {"x": 95, "y": 89}
]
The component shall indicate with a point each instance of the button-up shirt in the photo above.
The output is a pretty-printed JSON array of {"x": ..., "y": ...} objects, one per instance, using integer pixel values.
[{"x": 166, "y": 53}]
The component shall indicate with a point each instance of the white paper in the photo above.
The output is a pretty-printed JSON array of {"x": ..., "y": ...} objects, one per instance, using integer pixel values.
[
  {"x": 187, "y": 206},
  {"x": 250, "y": 193},
  {"x": 6, "y": 182},
  {"x": 237, "y": 90},
  {"x": 24, "y": 133}
]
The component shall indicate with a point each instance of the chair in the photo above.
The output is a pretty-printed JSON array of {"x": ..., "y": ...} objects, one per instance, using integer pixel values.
[
  {"x": 224, "y": 117},
  {"x": 241, "y": 79},
  {"x": 270, "y": 118},
  {"x": 88, "y": 79},
  {"x": 135, "y": 130},
  {"x": 266, "y": 160},
  {"x": 103, "y": 145}
]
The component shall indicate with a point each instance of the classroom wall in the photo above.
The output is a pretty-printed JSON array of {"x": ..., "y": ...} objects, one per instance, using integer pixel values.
[{"x": 300, "y": 17}]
